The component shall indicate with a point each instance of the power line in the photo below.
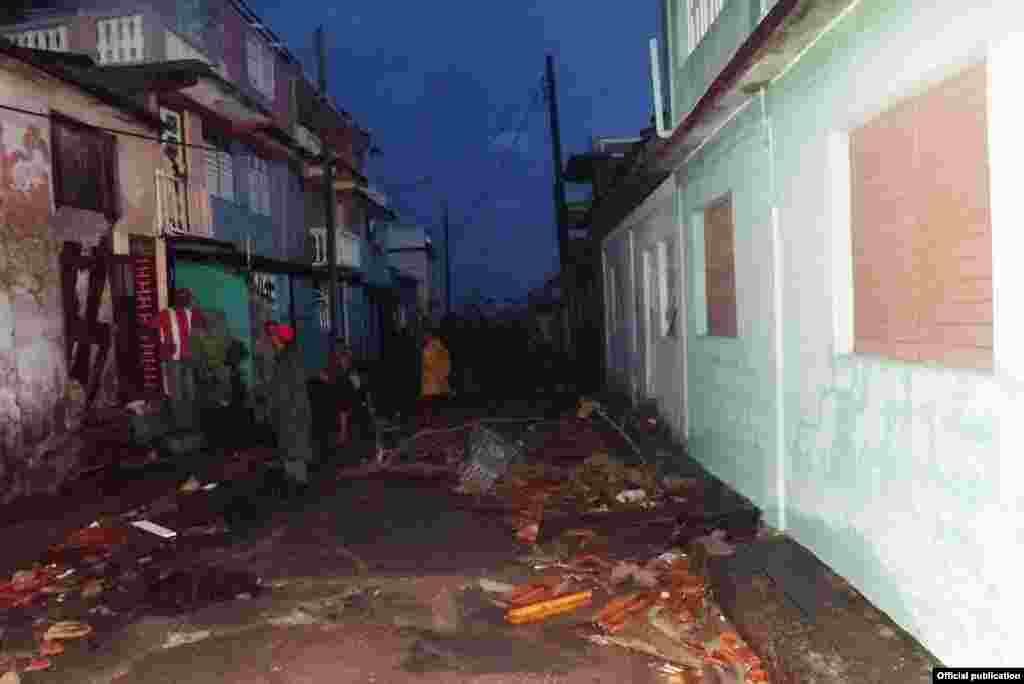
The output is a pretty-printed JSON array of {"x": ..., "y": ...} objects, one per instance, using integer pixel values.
[
  {"x": 117, "y": 131},
  {"x": 536, "y": 95}
]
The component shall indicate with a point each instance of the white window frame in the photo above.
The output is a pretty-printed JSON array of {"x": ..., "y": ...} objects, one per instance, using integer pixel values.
[
  {"x": 121, "y": 40},
  {"x": 259, "y": 185},
  {"x": 54, "y": 39},
  {"x": 260, "y": 61},
  {"x": 661, "y": 251}
]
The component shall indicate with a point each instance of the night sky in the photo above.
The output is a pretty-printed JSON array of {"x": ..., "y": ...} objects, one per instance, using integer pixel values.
[{"x": 443, "y": 86}]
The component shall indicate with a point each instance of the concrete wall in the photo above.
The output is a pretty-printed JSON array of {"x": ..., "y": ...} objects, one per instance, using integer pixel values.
[
  {"x": 903, "y": 477},
  {"x": 37, "y": 404}
]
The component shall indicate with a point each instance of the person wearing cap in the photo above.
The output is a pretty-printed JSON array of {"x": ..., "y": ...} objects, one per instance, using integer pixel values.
[{"x": 288, "y": 404}]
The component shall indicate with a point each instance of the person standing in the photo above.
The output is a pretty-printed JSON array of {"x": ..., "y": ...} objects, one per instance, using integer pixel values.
[
  {"x": 176, "y": 325},
  {"x": 288, "y": 405}
]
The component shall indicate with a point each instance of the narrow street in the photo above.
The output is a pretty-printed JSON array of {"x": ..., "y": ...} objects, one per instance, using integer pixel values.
[{"x": 399, "y": 573}]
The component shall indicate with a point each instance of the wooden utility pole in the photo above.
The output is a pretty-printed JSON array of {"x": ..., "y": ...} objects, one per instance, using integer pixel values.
[
  {"x": 556, "y": 155},
  {"x": 329, "y": 200},
  {"x": 447, "y": 261}
]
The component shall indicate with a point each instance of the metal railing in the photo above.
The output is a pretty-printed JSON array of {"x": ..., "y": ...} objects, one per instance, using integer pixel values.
[
  {"x": 700, "y": 15},
  {"x": 180, "y": 211}
]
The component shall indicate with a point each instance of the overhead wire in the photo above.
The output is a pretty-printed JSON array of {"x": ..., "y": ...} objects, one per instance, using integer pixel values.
[
  {"x": 117, "y": 131},
  {"x": 535, "y": 97}
]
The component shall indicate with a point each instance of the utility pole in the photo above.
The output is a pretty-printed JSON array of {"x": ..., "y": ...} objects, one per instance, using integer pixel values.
[
  {"x": 556, "y": 155},
  {"x": 330, "y": 208},
  {"x": 447, "y": 261}
]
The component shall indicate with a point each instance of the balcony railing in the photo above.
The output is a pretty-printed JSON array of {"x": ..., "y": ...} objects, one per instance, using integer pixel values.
[
  {"x": 700, "y": 15},
  {"x": 180, "y": 211},
  {"x": 347, "y": 244},
  {"x": 54, "y": 39}
]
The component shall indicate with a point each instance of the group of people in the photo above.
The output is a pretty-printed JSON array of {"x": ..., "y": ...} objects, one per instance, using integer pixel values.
[{"x": 315, "y": 419}]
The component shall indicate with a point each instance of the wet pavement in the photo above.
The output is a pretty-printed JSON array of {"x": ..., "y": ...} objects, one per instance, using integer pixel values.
[{"x": 373, "y": 577}]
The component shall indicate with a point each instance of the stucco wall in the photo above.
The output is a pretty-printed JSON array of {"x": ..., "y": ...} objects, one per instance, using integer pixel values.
[
  {"x": 899, "y": 475},
  {"x": 37, "y": 404},
  {"x": 903, "y": 477},
  {"x": 732, "y": 415}
]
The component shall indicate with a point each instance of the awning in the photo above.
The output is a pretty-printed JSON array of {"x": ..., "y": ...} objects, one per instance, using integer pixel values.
[
  {"x": 227, "y": 254},
  {"x": 780, "y": 37}
]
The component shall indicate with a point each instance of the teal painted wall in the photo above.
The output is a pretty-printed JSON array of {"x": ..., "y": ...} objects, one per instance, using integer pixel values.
[
  {"x": 903, "y": 477},
  {"x": 732, "y": 426},
  {"x": 215, "y": 288}
]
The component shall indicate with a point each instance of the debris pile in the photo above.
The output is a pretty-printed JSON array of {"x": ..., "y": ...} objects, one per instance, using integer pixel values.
[
  {"x": 100, "y": 576},
  {"x": 623, "y": 549}
]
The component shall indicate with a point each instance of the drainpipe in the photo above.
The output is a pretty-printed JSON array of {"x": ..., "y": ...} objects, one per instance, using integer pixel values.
[{"x": 659, "y": 104}]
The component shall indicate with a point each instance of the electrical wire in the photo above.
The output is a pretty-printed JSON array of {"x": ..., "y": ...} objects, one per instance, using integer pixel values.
[
  {"x": 117, "y": 131},
  {"x": 535, "y": 97}
]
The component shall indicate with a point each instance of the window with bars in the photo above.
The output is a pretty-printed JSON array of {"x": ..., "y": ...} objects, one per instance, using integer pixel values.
[
  {"x": 54, "y": 39},
  {"x": 120, "y": 40},
  {"x": 700, "y": 15},
  {"x": 261, "y": 65},
  {"x": 259, "y": 185}
]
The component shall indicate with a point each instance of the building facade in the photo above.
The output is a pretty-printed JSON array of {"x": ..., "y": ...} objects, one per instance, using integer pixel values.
[
  {"x": 77, "y": 170},
  {"x": 245, "y": 151},
  {"x": 834, "y": 243}
]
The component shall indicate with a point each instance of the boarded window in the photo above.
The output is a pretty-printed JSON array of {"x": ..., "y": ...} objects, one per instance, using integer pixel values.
[
  {"x": 922, "y": 244},
  {"x": 85, "y": 168},
  {"x": 720, "y": 269}
]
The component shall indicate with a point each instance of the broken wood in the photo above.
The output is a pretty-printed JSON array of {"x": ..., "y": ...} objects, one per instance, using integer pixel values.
[{"x": 549, "y": 608}]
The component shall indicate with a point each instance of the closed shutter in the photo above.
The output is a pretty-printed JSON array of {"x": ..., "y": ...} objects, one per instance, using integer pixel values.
[
  {"x": 720, "y": 269},
  {"x": 213, "y": 173},
  {"x": 922, "y": 227}
]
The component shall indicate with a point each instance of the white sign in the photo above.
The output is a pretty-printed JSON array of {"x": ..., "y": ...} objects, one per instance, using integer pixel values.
[{"x": 263, "y": 285}]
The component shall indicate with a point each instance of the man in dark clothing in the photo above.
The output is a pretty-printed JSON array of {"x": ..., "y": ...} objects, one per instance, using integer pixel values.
[{"x": 289, "y": 408}]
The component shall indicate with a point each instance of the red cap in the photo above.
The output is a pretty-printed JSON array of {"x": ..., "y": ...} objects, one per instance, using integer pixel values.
[{"x": 280, "y": 332}]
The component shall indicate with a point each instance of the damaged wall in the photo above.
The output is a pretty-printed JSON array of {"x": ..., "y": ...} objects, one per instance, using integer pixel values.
[{"x": 38, "y": 406}]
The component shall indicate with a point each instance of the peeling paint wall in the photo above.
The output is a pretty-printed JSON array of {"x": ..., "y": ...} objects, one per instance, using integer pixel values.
[{"x": 38, "y": 406}]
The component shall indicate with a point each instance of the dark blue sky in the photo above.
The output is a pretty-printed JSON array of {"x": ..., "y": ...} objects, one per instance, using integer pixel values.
[{"x": 442, "y": 86}]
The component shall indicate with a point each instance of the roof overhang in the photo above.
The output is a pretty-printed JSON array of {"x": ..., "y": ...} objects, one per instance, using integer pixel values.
[
  {"x": 78, "y": 71},
  {"x": 777, "y": 42}
]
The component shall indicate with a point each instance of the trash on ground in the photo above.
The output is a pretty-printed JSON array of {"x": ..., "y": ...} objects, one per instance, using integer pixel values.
[
  {"x": 488, "y": 456},
  {"x": 50, "y": 647},
  {"x": 67, "y": 629},
  {"x": 190, "y": 486},
  {"x": 715, "y": 544},
  {"x": 38, "y": 664},
  {"x": 176, "y": 639},
  {"x": 542, "y": 610},
  {"x": 153, "y": 528},
  {"x": 493, "y": 587},
  {"x": 629, "y": 496}
]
